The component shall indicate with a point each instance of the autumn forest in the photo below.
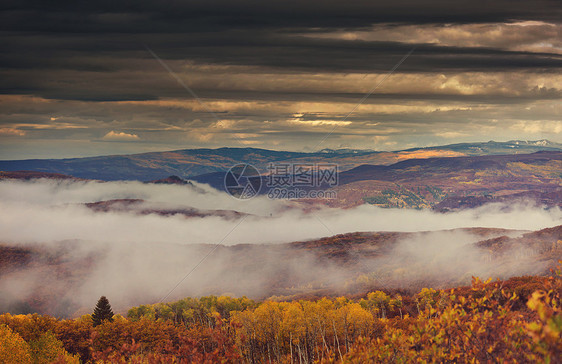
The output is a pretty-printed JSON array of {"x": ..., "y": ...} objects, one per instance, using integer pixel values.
[{"x": 517, "y": 320}]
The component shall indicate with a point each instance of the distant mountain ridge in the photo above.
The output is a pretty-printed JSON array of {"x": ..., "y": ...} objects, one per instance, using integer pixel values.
[
  {"x": 458, "y": 182},
  {"x": 194, "y": 162},
  {"x": 441, "y": 183},
  {"x": 492, "y": 148}
]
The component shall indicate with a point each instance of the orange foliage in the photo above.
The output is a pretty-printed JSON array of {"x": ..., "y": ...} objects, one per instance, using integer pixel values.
[
  {"x": 483, "y": 323},
  {"x": 13, "y": 349}
]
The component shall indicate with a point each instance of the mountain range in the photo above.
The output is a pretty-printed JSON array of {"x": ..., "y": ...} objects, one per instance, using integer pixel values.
[{"x": 188, "y": 163}]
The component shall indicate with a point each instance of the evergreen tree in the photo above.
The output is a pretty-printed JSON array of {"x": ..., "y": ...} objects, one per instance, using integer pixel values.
[{"x": 102, "y": 311}]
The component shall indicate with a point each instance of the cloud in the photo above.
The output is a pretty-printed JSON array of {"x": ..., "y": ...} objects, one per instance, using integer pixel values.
[
  {"x": 257, "y": 64},
  {"x": 450, "y": 134},
  {"x": 112, "y": 135},
  {"x": 199, "y": 15},
  {"x": 12, "y": 131},
  {"x": 532, "y": 36},
  {"x": 542, "y": 127}
]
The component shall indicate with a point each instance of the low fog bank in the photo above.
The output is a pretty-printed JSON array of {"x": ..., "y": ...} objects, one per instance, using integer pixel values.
[
  {"x": 80, "y": 254},
  {"x": 66, "y": 279},
  {"x": 47, "y": 210}
]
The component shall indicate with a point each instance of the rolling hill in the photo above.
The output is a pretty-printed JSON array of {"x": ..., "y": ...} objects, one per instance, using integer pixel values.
[
  {"x": 445, "y": 184},
  {"x": 441, "y": 183},
  {"x": 455, "y": 182},
  {"x": 192, "y": 162}
]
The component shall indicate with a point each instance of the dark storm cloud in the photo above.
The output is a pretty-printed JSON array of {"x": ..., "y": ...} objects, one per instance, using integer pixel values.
[
  {"x": 327, "y": 55},
  {"x": 81, "y": 50},
  {"x": 246, "y": 47},
  {"x": 152, "y": 16},
  {"x": 99, "y": 70}
]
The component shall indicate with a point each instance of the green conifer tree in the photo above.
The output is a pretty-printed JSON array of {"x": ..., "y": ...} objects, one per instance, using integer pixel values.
[{"x": 102, "y": 311}]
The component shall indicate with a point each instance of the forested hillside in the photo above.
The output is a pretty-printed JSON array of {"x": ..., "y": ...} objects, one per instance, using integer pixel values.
[{"x": 517, "y": 320}]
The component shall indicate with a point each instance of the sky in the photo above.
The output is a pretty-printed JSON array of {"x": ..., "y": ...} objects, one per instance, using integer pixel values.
[{"x": 90, "y": 78}]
